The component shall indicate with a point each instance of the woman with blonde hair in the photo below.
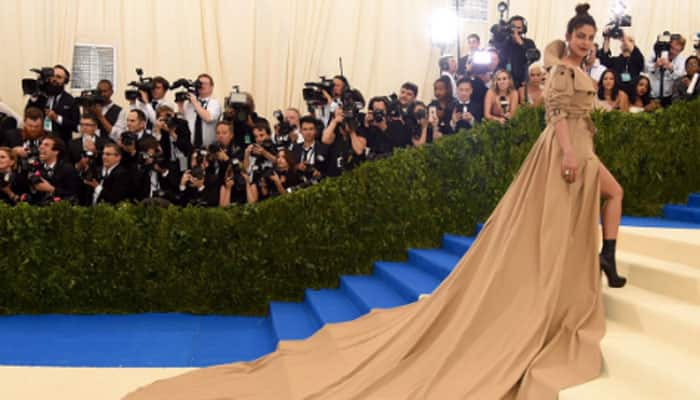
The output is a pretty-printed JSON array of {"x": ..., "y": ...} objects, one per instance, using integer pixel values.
[
  {"x": 532, "y": 93},
  {"x": 501, "y": 100}
]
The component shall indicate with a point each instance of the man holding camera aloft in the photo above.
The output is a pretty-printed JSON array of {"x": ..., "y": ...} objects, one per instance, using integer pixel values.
[
  {"x": 513, "y": 51},
  {"x": 383, "y": 134},
  {"x": 173, "y": 134},
  {"x": 157, "y": 99},
  {"x": 61, "y": 113},
  {"x": 202, "y": 112},
  {"x": 628, "y": 65},
  {"x": 346, "y": 146},
  {"x": 107, "y": 113},
  {"x": 664, "y": 67}
]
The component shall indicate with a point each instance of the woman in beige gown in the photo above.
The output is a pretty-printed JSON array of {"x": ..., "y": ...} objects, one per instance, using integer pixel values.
[{"x": 520, "y": 317}]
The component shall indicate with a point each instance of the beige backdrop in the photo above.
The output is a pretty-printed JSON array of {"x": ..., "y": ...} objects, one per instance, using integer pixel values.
[{"x": 271, "y": 47}]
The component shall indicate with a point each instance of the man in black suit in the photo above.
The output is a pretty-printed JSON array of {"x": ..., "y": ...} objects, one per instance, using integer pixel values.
[
  {"x": 466, "y": 112},
  {"x": 61, "y": 111},
  {"x": 88, "y": 141},
  {"x": 112, "y": 185},
  {"x": 19, "y": 140},
  {"x": 155, "y": 176},
  {"x": 311, "y": 155},
  {"x": 56, "y": 179}
]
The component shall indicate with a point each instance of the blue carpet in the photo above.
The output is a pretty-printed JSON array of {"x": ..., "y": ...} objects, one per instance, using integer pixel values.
[{"x": 179, "y": 340}]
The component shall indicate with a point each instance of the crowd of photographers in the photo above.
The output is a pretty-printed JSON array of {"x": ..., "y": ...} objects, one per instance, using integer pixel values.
[{"x": 199, "y": 151}]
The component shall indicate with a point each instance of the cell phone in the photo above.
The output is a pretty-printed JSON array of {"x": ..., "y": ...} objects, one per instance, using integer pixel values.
[
  {"x": 664, "y": 54},
  {"x": 432, "y": 112}
]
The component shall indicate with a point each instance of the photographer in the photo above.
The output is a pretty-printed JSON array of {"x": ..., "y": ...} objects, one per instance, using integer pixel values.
[
  {"x": 157, "y": 99},
  {"x": 512, "y": 51},
  {"x": 138, "y": 102},
  {"x": 669, "y": 64},
  {"x": 228, "y": 160},
  {"x": 383, "y": 134},
  {"x": 466, "y": 113},
  {"x": 173, "y": 134},
  {"x": 111, "y": 183},
  {"x": 286, "y": 133},
  {"x": 199, "y": 185},
  {"x": 346, "y": 147},
  {"x": 681, "y": 87},
  {"x": 628, "y": 65},
  {"x": 202, "y": 112},
  {"x": 284, "y": 176},
  {"x": 130, "y": 140},
  {"x": 13, "y": 185},
  {"x": 155, "y": 176},
  {"x": 106, "y": 113},
  {"x": 311, "y": 156},
  {"x": 55, "y": 179},
  {"x": 241, "y": 113},
  {"x": 422, "y": 129},
  {"x": 259, "y": 158},
  {"x": 61, "y": 112},
  {"x": 448, "y": 68},
  {"x": 20, "y": 140},
  {"x": 88, "y": 144},
  {"x": 464, "y": 69}
]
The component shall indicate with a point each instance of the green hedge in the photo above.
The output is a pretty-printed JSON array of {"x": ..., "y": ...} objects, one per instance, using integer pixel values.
[{"x": 67, "y": 259}]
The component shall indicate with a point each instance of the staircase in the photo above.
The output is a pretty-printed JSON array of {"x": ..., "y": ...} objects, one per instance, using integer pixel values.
[{"x": 652, "y": 346}]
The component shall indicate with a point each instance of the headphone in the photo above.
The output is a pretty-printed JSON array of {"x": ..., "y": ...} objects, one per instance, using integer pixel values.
[{"x": 519, "y": 18}]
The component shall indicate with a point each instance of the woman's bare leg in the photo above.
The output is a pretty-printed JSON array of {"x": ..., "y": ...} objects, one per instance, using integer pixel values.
[{"x": 612, "y": 194}]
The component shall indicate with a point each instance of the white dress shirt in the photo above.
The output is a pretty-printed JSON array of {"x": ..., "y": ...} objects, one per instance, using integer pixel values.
[
  {"x": 208, "y": 128},
  {"x": 678, "y": 71}
]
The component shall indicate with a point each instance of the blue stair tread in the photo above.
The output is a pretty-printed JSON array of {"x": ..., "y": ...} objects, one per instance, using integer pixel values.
[
  {"x": 694, "y": 200},
  {"x": 682, "y": 213},
  {"x": 479, "y": 227},
  {"x": 332, "y": 305},
  {"x": 655, "y": 222},
  {"x": 457, "y": 245},
  {"x": 236, "y": 339},
  {"x": 409, "y": 279},
  {"x": 292, "y": 320},
  {"x": 436, "y": 261},
  {"x": 371, "y": 292}
]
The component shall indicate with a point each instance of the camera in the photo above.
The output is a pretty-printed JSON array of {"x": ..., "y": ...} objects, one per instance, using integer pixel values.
[
  {"x": 352, "y": 102},
  {"x": 143, "y": 84},
  {"x": 90, "y": 98},
  {"x": 393, "y": 109},
  {"x": 128, "y": 138},
  {"x": 532, "y": 55},
  {"x": 157, "y": 158},
  {"x": 190, "y": 86},
  {"x": 378, "y": 116},
  {"x": 39, "y": 87},
  {"x": 614, "y": 28},
  {"x": 237, "y": 106},
  {"x": 313, "y": 92},
  {"x": 285, "y": 128},
  {"x": 663, "y": 44},
  {"x": 502, "y": 31}
]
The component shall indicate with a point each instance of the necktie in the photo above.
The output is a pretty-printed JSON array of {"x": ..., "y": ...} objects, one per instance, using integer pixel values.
[{"x": 198, "y": 140}]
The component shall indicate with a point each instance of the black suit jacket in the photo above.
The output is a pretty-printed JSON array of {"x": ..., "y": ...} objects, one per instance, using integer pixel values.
[
  {"x": 320, "y": 155},
  {"x": 68, "y": 110},
  {"x": 75, "y": 149},
  {"x": 64, "y": 179},
  {"x": 115, "y": 186}
]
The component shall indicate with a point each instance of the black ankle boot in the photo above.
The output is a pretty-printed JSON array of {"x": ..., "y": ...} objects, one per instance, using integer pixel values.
[{"x": 607, "y": 264}]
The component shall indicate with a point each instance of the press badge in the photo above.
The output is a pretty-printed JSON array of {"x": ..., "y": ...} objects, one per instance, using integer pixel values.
[
  {"x": 625, "y": 77},
  {"x": 48, "y": 127}
]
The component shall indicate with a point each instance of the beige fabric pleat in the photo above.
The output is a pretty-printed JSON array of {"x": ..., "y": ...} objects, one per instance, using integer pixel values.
[{"x": 520, "y": 317}]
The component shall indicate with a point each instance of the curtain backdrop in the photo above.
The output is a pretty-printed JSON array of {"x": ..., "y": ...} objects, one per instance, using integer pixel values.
[{"x": 271, "y": 47}]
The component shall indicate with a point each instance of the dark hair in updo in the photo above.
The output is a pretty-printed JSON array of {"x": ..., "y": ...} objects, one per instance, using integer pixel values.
[{"x": 582, "y": 18}]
